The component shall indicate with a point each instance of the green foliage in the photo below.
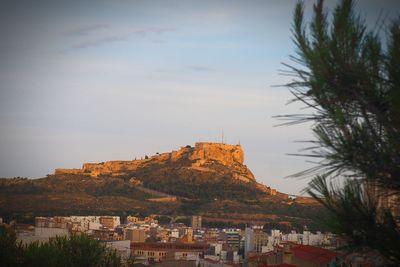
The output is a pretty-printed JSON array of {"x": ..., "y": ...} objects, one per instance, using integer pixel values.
[
  {"x": 9, "y": 250},
  {"x": 163, "y": 219},
  {"x": 185, "y": 221},
  {"x": 152, "y": 239},
  {"x": 350, "y": 81},
  {"x": 191, "y": 207},
  {"x": 77, "y": 250},
  {"x": 17, "y": 186},
  {"x": 191, "y": 185},
  {"x": 354, "y": 214},
  {"x": 278, "y": 226},
  {"x": 116, "y": 187}
]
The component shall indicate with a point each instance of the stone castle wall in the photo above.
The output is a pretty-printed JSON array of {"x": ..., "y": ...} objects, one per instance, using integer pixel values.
[
  {"x": 67, "y": 171},
  {"x": 201, "y": 153},
  {"x": 224, "y": 153}
]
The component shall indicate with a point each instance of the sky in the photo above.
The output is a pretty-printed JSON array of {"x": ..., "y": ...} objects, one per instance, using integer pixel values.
[{"x": 91, "y": 81}]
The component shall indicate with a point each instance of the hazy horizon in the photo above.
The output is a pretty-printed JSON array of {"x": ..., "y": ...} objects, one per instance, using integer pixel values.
[{"x": 97, "y": 81}]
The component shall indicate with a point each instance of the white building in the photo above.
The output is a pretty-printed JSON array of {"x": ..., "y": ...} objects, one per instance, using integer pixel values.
[
  {"x": 174, "y": 233},
  {"x": 293, "y": 237},
  {"x": 248, "y": 241},
  {"x": 311, "y": 239},
  {"x": 47, "y": 232}
]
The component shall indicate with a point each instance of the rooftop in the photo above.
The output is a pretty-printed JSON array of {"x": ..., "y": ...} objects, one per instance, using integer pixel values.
[{"x": 314, "y": 254}]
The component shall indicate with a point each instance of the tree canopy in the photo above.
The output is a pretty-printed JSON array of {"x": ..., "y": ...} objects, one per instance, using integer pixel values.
[
  {"x": 348, "y": 78},
  {"x": 76, "y": 250}
]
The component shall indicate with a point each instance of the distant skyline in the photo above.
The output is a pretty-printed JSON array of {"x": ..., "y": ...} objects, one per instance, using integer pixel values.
[{"x": 93, "y": 81}]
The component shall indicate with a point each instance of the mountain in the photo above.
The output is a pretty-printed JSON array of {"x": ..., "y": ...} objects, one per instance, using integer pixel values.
[
  {"x": 207, "y": 170},
  {"x": 208, "y": 179}
]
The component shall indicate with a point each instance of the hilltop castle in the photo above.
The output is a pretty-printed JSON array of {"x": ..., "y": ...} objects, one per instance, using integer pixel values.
[{"x": 199, "y": 155}]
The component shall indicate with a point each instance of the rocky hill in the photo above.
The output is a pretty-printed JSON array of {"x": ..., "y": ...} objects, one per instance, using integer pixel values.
[
  {"x": 181, "y": 172},
  {"x": 202, "y": 157},
  {"x": 208, "y": 179}
]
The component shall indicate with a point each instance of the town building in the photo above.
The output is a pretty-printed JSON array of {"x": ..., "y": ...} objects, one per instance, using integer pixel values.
[
  {"x": 158, "y": 252},
  {"x": 196, "y": 222},
  {"x": 212, "y": 235},
  {"x": 260, "y": 239},
  {"x": 248, "y": 241},
  {"x": 233, "y": 239},
  {"x": 135, "y": 235},
  {"x": 109, "y": 221}
]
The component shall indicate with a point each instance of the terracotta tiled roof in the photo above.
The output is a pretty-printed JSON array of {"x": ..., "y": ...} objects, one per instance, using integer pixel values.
[
  {"x": 225, "y": 263},
  {"x": 279, "y": 265},
  {"x": 314, "y": 254},
  {"x": 262, "y": 256},
  {"x": 170, "y": 246}
]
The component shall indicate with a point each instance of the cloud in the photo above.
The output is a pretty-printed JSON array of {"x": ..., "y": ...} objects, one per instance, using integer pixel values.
[
  {"x": 151, "y": 30},
  {"x": 86, "y": 30},
  {"x": 98, "y": 42},
  {"x": 199, "y": 68},
  {"x": 123, "y": 37}
]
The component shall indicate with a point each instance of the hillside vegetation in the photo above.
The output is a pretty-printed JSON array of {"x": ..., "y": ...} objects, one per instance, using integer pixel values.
[{"x": 220, "y": 188}]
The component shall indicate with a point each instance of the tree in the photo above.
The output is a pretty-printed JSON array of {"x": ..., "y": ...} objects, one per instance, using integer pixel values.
[
  {"x": 8, "y": 247},
  {"x": 76, "y": 250},
  {"x": 348, "y": 76}
]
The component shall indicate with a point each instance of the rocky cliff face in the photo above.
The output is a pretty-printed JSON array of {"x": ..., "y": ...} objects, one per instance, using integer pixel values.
[
  {"x": 203, "y": 157},
  {"x": 228, "y": 155}
]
